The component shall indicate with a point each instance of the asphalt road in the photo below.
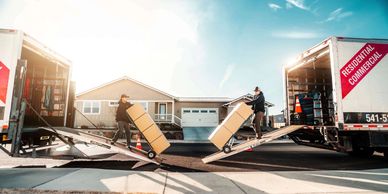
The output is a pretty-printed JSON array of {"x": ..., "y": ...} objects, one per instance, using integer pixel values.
[
  {"x": 270, "y": 168},
  {"x": 268, "y": 157}
]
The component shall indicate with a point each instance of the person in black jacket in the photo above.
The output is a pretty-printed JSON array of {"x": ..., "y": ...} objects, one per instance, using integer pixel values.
[
  {"x": 258, "y": 108},
  {"x": 122, "y": 120}
]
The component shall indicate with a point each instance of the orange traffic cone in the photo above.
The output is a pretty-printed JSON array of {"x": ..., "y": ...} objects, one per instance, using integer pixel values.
[
  {"x": 298, "y": 108},
  {"x": 138, "y": 143},
  {"x": 250, "y": 149}
]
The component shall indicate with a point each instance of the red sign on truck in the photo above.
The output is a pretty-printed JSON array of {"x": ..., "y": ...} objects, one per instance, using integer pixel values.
[
  {"x": 360, "y": 65},
  {"x": 4, "y": 76}
]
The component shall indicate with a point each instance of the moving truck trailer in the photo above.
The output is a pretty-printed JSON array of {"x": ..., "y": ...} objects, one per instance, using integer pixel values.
[
  {"x": 338, "y": 88},
  {"x": 31, "y": 71}
]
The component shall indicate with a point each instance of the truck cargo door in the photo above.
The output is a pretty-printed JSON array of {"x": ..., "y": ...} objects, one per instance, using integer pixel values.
[{"x": 20, "y": 77}]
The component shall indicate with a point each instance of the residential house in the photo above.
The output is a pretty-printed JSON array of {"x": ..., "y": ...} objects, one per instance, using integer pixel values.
[{"x": 191, "y": 117}]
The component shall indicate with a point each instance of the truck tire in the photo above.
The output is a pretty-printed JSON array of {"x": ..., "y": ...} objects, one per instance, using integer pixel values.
[
  {"x": 168, "y": 135},
  {"x": 363, "y": 153},
  {"x": 178, "y": 135}
]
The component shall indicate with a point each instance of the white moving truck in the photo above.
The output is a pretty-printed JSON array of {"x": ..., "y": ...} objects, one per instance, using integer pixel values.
[
  {"x": 339, "y": 89},
  {"x": 31, "y": 71}
]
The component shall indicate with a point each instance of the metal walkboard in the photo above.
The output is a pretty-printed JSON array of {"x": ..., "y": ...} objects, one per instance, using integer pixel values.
[
  {"x": 252, "y": 143},
  {"x": 104, "y": 142}
]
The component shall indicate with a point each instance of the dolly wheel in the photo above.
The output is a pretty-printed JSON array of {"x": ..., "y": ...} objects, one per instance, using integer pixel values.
[
  {"x": 151, "y": 154},
  {"x": 226, "y": 149}
]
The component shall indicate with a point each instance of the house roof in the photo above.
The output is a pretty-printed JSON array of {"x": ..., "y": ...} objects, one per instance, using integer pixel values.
[
  {"x": 181, "y": 99},
  {"x": 130, "y": 79},
  {"x": 204, "y": 99},
  {"x": 247, "y": 97}
]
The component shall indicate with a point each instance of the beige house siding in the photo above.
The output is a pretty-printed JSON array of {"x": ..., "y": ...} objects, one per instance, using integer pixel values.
[
  {"x": 113, "y": 91},
  {"x": 222, "y": 111},
  {"x": 151, "y": 109},
  {"x": 106, "y": 118},
  {"x": 169, "y": 108}
]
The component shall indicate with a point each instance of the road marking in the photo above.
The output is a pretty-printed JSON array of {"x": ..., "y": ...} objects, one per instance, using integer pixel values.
[
  {"x": 363, "y": 172},
  {"x": 269, "y": 165},
  {"x": 351, "y": 179}
]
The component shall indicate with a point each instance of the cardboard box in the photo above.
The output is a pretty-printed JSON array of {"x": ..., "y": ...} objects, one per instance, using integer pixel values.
[
  {"x": 144, "y": 122},
  {"x": 135, "y": 111},
  {"x": 152, "y": 133},
  {"x": 233, "y": 122},
  {"x": 244, "y": 110},
  {"x": 160, "y": 144},
  {"x": 230, "y": 125},
  {"x": 220, "y": 136}
]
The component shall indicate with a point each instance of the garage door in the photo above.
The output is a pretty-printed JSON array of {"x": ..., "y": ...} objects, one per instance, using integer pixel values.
[{"x": 199, "y": 117}]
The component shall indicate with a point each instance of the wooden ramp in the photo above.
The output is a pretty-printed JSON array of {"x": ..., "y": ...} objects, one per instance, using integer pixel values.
[
  {"x": 121, "y": 148},
  {"x": 252, "y": 143}
]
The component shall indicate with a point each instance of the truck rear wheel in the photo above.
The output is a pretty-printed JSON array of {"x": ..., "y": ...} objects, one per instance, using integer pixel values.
[{"x": 364, "y": 153}]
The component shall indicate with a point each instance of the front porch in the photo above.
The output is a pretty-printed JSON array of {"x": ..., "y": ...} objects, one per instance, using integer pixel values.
[
  {"x": 167, "y": 118},
  {"x": 162, "y": 113}
]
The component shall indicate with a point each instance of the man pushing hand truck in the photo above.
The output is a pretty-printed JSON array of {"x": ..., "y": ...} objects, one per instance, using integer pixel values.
[{"x": 258, "y": 108}]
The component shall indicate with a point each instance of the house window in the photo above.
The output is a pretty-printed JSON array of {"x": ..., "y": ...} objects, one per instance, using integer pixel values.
[
  {"x": 91, "y": 107},
  {"x": 212, "y": 111},
  {"x": 203, "y": 111},
  {"x": 195, "y": 111},
  {"x": 186, "y": 111},
  {"x": 114, "y": 103},
  {"x": 162, "y": 109}
]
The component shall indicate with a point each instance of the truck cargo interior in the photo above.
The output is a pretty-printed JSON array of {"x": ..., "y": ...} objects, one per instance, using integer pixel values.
[
  {"x": 45, "y": 88},
  {"x": 310, "y": 83}
]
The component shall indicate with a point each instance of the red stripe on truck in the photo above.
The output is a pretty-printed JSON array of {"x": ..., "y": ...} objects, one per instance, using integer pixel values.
[
  {"x": 360, "y": 65},
  {"x": 4, "y": 76},
  {"x": 365, "y": 126}
]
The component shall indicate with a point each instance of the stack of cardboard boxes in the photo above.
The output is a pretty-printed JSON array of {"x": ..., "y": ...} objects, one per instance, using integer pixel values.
[
  {"x": 230, "y": 125},
  {"x": 148, "y": 128}
]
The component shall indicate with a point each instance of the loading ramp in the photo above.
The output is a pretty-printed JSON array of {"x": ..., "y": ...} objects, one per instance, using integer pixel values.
[
  {"x": 72, "y": 134},
  {"x": 268, "y": 137}
]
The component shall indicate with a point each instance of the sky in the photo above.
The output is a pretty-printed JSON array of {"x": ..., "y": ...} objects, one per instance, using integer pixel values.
[{"x": 191, "y": 47}]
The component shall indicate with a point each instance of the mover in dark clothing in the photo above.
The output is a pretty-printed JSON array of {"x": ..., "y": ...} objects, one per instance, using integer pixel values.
[
  {"x": 122, "y": 120},
  {"x": 259, "y": 109}
]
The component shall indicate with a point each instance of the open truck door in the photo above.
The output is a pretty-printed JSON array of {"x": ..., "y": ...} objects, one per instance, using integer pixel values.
[
  {"x": 18, "y": 107},
  {"x": 43, "y": 83}
]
